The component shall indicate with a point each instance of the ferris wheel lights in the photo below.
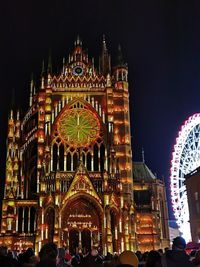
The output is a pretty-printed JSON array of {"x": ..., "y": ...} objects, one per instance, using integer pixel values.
[{"x": 185, "y": 158}]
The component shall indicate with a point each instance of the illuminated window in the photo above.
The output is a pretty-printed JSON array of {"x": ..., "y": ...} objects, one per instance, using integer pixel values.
[
  {"x": 26, "y": 220},
  {"x": 32, "y": 220},
  {"x": 20, "y": 211},
  {"x": 102, "y": 157},
  {"x": 69, "y": 161},
  {"x": 89, "y": 161},
  {"x": 75, "y": 161},
  {"x": 55, "y": 157},
  {"x": 96, "y": 159},
  {"x": 61, "y": 157},
  {"x": 83, "y": 158}
]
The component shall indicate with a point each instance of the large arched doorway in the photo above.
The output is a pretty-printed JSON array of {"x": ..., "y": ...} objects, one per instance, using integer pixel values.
[{"x": 82, "y": 222}]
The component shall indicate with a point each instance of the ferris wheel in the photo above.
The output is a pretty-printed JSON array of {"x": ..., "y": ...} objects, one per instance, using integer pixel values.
[{"x": 185, "y": 159}]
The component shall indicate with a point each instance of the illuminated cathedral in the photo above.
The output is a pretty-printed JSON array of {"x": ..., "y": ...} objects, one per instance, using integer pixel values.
[{"x": 69, "y": 173}]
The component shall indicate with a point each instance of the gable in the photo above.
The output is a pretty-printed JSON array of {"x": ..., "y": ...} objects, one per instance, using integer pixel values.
[{"x": 81, "y": 184}]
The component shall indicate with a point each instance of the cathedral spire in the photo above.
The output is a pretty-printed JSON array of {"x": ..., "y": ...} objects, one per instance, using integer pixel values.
[
  {"x": 11, "y": 114},
  {"x": 104, "y": 47},
  {"x": 31, "y": 91},
  {"x": 143, "y": 159},
  {"x": 63, "y": 65},
  {"x": 104, "y": 61},
  {"x": 34, "y": 90},
  {"x": 121, "y": 68},
  {"x": 92, "y": 65},
  {"x": 42, "y": 75},
  {"x": 18, "y": 114},
  {"x": 78, "y": 41},
  {"x": 120, "y": 58},
  {"x": 43, "y": 68},
  {"x": 49, "y": 62}
]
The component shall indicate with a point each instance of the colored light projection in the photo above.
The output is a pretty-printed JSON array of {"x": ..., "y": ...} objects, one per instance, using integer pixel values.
[
  {"x": 78, "y": 127},
  {"x": 185, "y": 158}
]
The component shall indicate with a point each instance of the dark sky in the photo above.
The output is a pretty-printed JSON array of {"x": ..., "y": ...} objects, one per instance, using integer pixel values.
[{"x": 161, "y": 43}]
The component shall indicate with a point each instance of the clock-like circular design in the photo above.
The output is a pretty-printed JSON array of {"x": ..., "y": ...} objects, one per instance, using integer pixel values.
[
  {"x": 78, "y": 70},
  {"x": 78, "y": 127}
]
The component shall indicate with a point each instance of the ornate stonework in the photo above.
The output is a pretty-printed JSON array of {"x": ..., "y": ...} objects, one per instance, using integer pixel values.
[{"x": 69, "y": 160}]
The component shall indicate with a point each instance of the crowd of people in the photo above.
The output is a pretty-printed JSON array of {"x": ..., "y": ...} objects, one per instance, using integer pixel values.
[{"x": 51, "y": 256}]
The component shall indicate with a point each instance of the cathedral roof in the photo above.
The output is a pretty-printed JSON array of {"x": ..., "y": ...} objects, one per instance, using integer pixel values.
[{"x": 142, "y": 173}]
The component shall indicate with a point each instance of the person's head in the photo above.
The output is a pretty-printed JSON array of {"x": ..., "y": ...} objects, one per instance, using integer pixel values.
[
  {"x": 166, "y": 249},
  {"x": 145, "y": 255},
  {"x": 153, "y": 259},
  {"x": 193, "y": 253},
  {"x": 34, "y": 260},
  {"x": 3, "y": 251},
  {"x": 75, "y": 260},
  {"x": 28, "y": 254},
  {"x": 67, "y": 250},
  {"x": 61, "y": 253},
  {"x": 10, "y": 254},
  {"x": 196, "y": 260},
  {"x": 160, "y": 251},
  {"x": 109, "y": 256},
  {"x": 139, "y": 255},
  {"x": 178, "y": 243},
  {"x": 94, "y": 252},
  {"x": 128, "y": 258},
  {"x": 68, "y": 257},
  {"x": 48, "y": 252}
]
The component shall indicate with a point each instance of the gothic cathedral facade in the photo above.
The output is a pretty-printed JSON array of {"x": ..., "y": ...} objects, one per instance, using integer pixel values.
[{"x": 69, "y": 160}]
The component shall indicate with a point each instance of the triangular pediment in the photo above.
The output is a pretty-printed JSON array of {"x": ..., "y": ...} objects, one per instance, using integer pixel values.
[{"x": 82, "y": 184}]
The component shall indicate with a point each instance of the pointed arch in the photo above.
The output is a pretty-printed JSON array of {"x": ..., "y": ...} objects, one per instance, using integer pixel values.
[
  {"x": 20, "y": 214},
  {"x": 61, "y": 157},
  {"x": 75, "y": 161},
  {"x": 55, "y": 156},
  {"x": 102, "y": 157},
  {"x": 82, "y": 204},
  {"x": 32, "y": 219},
  {"x": 96, "y": 157},
  {"x": 83, "y": 157},
  {"x": 69, "y": 161},
  {"x": 26, "y": 211},
  {"x": 89, "y": 161}
]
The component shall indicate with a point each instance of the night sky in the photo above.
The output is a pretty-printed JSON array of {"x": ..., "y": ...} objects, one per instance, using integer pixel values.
[{"x": 161, "y": 43}]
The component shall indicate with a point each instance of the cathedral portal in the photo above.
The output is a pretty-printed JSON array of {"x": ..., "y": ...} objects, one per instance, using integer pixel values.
[{"x": 81, "y": 224}]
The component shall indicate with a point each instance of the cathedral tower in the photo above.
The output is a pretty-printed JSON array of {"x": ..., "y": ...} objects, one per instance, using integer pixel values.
[{"x": 69, "y": 159}]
